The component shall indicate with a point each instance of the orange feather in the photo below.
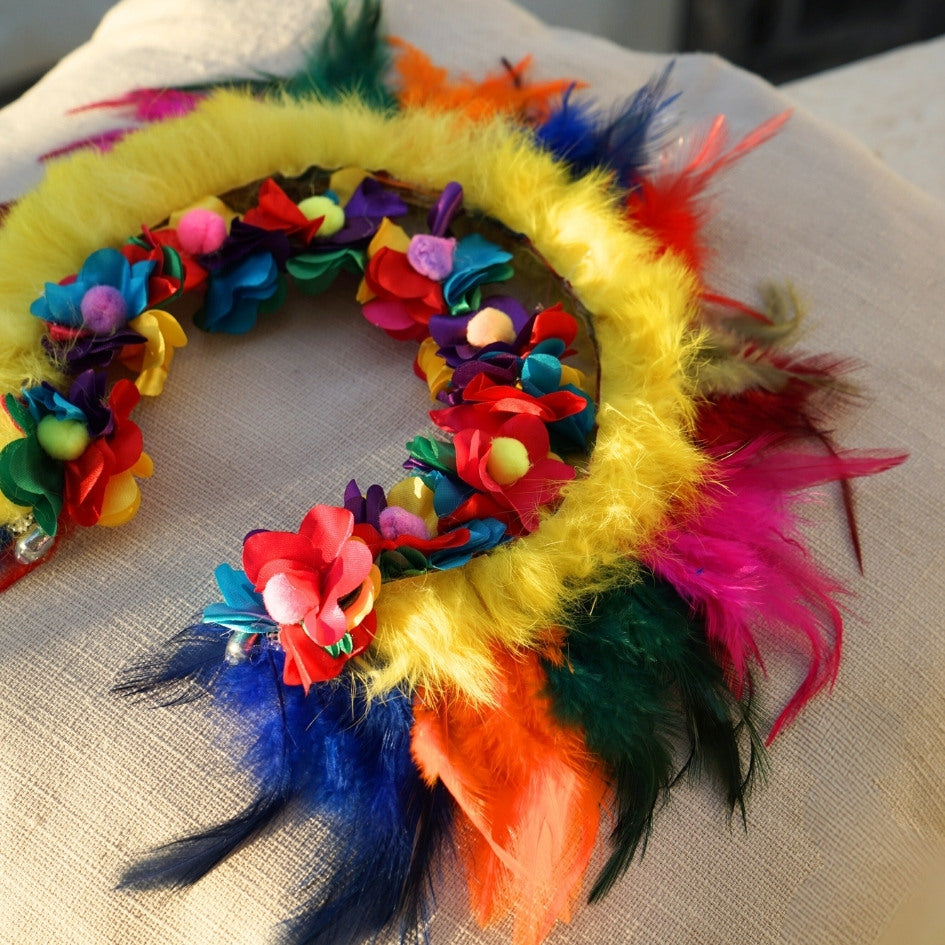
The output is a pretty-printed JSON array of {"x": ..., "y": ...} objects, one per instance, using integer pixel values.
[
  {"x": 421, "y": 83},
  {"x": 530, "y": 791}
]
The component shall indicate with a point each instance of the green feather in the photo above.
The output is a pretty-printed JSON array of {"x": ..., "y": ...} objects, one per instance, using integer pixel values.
[
  {"x": 639, "y": 678},
  {"x": 351, "y": 58}
]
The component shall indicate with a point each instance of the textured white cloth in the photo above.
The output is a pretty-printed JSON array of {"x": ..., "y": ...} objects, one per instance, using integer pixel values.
[{"x": 847, "y": 837}]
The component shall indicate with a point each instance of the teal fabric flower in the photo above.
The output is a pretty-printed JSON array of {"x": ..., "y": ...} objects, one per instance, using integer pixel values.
[
  {"x": 236, "y": 295},
  {"x": 476, "y": 262},
  {"x": 107, "y": 292}
]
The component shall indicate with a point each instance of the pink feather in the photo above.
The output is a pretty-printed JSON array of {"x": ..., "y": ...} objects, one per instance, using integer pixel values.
[{"x": 740, "y": 561}]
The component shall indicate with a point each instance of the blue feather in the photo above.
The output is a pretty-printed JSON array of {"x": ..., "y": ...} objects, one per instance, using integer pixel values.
[
  {"x": 622, "y": 142},
  {"x": 181, "y": 671},
  {"x": 273, "y": 717},
  {"x": 329, "y": 752},
  {"x": 388, "y": 824}
]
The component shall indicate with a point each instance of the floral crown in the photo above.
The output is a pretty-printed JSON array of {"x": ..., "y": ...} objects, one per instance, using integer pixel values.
[{"x": 555, "y": 611}]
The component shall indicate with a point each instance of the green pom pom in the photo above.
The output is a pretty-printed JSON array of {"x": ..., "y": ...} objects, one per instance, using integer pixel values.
[
  {"x": 62, "y": 439},
  {"x": 334, "y": 217}
]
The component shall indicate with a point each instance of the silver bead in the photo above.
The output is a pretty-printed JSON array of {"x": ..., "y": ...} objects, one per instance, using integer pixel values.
[
  {"x": 234, "y": 650},
  {"x": 32, "y": 546}
]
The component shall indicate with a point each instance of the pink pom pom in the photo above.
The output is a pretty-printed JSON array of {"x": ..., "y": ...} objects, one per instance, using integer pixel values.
[
  {"x": 201, "y": 231},
  {"x": 104, "y": 309}
]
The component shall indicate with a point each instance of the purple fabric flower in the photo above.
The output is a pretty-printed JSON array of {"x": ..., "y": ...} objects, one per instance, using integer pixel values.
[
  {"x": 449, "y": 331},
  {"x": 366, "y": 508},
  {"x": 84, "y": 351},
  {"x": 364, "y": 211},
  {"x": 448, "y": 204},
  {"x": 246, "y": 240}
]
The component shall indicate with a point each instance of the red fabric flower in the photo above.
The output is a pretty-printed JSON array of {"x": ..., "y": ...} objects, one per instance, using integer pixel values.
[
  {"x": 195, "y": 275},
  {"x": 319, "y": 584},
  {"x": 484, "y": 398},
  {"x": 275, "y": 210},
  {"x": 87, "y": 478},
  {"x": 552, "y": 323},
  {"x": 404, "y": 300},
  {"x": 426, "y": 546},
  {"x": 162, "y": 285},
  {"x": 508, "y": 463}
]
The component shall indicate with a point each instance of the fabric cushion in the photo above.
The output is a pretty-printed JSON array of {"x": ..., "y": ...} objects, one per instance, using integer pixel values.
[{"x": 846, "y": 839}]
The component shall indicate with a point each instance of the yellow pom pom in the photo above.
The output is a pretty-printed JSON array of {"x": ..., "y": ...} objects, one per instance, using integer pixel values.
[
  {"x": 319, "y": 206},
  {"x": 508, "y": 460}
]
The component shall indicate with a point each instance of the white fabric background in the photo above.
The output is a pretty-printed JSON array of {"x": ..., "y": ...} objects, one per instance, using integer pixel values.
[{"x": 848, "y": 836}]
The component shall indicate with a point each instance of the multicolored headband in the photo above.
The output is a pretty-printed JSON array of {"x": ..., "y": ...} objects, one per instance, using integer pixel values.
[{"x": 554, "y": 612}]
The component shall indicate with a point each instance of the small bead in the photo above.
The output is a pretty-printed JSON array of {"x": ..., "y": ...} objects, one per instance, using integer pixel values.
[{"x": 32, "y": 546}]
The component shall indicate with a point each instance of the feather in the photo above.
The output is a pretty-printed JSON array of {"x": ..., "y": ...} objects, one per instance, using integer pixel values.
[
  {"x": 180, "y": 671},
  {"x": 421, "y": 83},
  {"x": 351, "y": 58},
  {"x": 622, "y": 140},
  {"x": 272, "y": 720},
  {"x": 328, "y": 752},
  {"x": 637, "y": 676},
  {"x": 740, "y": 561},
  {"x": 528, "y": 788},
  {"x": 669, "y": 201},
  {"x": 389, "y": 826}
]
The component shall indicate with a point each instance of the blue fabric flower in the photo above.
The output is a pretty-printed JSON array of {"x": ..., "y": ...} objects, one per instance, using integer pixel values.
[
  {"x": 541, "y": 374},
  {"x": 61, "y": 304},
  {"x": 476, "y": 262},
  {"x": 235, "y": 296},
  {"x": 484, "y": 534},
  {"x": 85, "y": 402}
]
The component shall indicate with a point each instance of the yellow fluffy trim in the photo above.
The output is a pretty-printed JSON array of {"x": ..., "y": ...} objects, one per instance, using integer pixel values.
[{"x": 436, "y": 629}]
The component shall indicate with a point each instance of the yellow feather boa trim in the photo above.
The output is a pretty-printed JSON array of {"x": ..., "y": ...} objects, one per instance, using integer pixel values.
[{"x": 434, "y": 630}]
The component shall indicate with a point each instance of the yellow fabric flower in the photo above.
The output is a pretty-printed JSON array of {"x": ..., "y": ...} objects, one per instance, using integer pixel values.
[{"x": 162, "y": 333}]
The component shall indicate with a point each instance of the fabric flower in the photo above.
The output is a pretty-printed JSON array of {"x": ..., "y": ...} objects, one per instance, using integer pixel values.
[
  {"x": 319, "y": 584},
  {"x": 78, "y": 453},
  {"x": 275, "y": 210},
  {"x": 29, "y": 476},
  {"x": 166, "y": 281},
  {"x": 394, "y": 296},
  {"x": 509, "y": 466},
  {"x": 162, "y": 334},
  {"x": 496, "y": 325},
  {"x": 476, "y": 261},
  {"x": 100, "y": 486},
  {"x": 365, "y": 211},
  {"x": 484, "y": 535},
  {"x": 483, "y": 397},
  {"x": 242, "y": 611},
  {"x": 106, "y": 293},
  {"x": 236, "y": 296}
]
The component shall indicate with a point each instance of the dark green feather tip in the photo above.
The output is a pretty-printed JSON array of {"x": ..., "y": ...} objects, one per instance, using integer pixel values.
[
  {"x": 352, "y": 57},
  {"x": 639, "y": 678}
]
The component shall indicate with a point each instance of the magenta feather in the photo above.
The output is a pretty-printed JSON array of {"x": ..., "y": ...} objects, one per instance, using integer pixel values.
[{"x": 741, "y": 561}]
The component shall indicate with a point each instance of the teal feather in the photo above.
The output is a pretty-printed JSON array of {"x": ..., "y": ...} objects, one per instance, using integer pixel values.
[{"x": 638, "y": 676}]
